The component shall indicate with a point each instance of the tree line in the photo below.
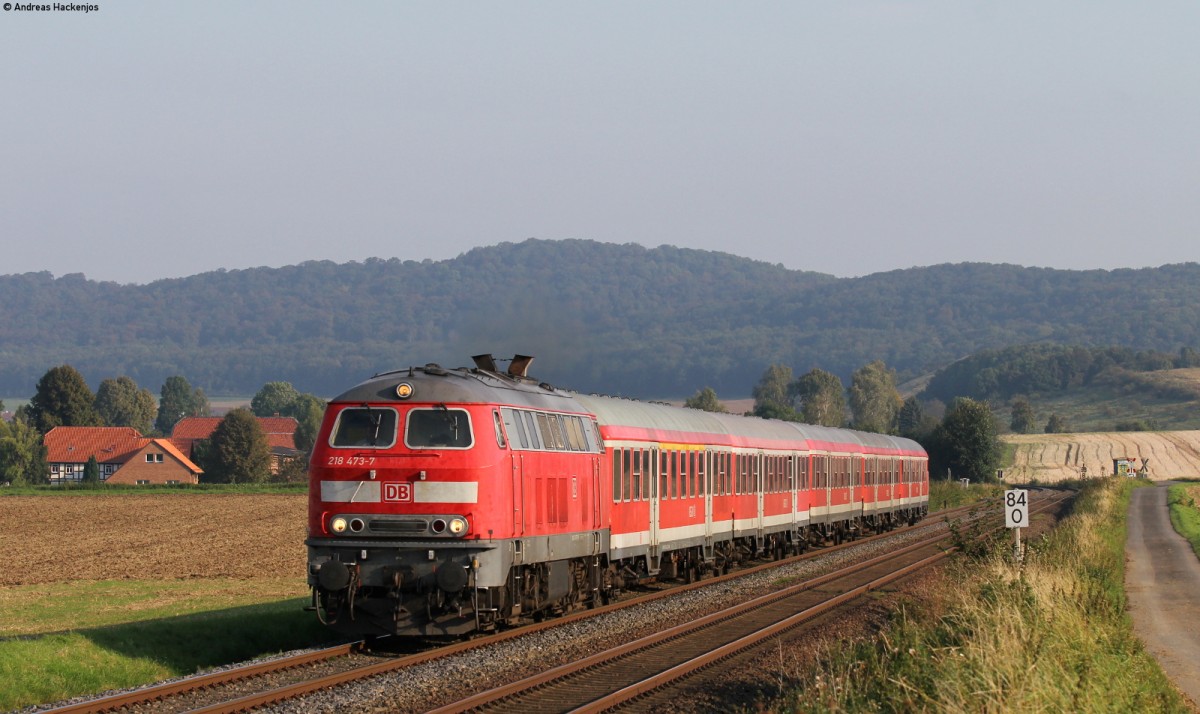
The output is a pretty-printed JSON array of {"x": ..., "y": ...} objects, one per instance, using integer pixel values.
[
  {"x": 1004, "y": 373},
  {"x": 587, "y": 310},
  {"x": 963, "y": 442},
  {"x": 237, "y": 451}
]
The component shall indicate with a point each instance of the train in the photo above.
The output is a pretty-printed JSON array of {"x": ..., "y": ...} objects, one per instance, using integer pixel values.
[{"x": 451, "y": 501}]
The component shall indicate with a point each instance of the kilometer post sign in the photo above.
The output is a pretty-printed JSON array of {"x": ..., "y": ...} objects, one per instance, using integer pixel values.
[{"x": 1016, "y": 508}]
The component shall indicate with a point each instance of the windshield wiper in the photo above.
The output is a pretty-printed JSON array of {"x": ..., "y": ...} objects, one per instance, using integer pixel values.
[
  {"x": 451, "y": 421},
  {"x": 376, "y": 421}
]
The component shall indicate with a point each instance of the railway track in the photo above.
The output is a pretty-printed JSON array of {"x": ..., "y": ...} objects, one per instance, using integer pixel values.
[
  {"x": 262, "y": 684},
  {"x": 622, "y": 674}
]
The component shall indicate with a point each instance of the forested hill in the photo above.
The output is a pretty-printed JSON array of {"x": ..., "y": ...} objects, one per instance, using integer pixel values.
[{"x": 620, "y": 319}]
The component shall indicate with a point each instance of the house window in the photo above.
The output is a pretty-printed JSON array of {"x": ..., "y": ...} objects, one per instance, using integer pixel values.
[
  {"x": 143, "y": 482},
  {"x": 154, "y": 458},
  {"x": 172, "y": 482}
]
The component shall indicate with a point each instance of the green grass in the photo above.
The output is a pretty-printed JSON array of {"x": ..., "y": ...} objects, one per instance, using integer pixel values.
[
  {"x": 1185, "y": 514},
  {"x": 1051, "y": 635},
  {"x": 944, "y": 495},
  {"x": 77, "y": 639}
]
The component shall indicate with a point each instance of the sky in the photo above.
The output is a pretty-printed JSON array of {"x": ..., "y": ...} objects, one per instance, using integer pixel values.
[{"x": 150, "y": 140}]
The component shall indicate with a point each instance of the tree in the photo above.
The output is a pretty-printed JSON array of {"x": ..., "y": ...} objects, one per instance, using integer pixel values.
[
  {"x": 237, "y": 451},
  {"x": 178, "y": 400},
  {"x": 1057, "y": 424},
  {"x": 913, "y": 422},
  {"x": 91, "y": 470},
  {"x": 967, "y": 441},
  {"x": 772, "y": 398},
  {"x": 274, "y": 399},
  {"x": 705, "y": 400},
  {"x": 908, "y": 419},
  {"x": 308, "y": 411},
  {"x": 822, "y": 398},
  {"x": 1022, "y": 416},
  {"x": 874, "y": 399},
  {"x": 120, "y": 402},
  {"x": 63, "y": 398},
  {"x": 22, "y": 453}
]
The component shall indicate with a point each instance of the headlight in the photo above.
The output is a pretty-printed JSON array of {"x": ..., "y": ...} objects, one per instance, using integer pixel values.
[
  {"x": 338, "y": 525},
  {"x": 458, "y": 526}
]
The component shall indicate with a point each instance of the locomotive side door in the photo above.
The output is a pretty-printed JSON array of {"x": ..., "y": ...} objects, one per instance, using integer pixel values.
[{"x": 518, "y": 493}]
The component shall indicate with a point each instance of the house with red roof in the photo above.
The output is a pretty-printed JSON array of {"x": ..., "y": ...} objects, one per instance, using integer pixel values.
[
  {"x": 123, "y": 454},
  {"x": 280, "y": 433}
]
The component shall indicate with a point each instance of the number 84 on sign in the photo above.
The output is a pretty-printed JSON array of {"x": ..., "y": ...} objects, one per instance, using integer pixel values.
[{"x": 1016, "y": 508}]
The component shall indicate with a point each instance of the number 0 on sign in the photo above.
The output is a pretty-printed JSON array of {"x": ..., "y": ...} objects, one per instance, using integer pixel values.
[{"x": 1016, "y": 508}]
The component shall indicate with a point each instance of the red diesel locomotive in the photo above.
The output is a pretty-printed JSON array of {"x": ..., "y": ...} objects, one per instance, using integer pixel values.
[{"x": 445, "y": 501}]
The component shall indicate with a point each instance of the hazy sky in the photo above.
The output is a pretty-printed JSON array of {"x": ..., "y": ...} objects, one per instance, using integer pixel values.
[{"x": 163, "y": 139}]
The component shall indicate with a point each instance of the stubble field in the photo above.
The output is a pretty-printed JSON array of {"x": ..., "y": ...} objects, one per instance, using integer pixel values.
[{"x": 1055, "y": 457}]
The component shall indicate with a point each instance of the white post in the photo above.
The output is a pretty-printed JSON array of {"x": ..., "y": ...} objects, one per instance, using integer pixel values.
[{"x": 1016, "y": 516}]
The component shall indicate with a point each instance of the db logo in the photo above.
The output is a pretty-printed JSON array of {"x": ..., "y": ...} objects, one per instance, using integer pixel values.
[{"x": 397, "y": 492}]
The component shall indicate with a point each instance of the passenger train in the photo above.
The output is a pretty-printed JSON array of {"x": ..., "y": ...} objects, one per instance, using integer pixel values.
[{"x": 449, "y": 501}]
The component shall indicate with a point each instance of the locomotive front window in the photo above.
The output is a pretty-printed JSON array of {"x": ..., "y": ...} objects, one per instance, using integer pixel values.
[
  {"x": 365, "y": 427},
  {"x": 438, "y": 428}
]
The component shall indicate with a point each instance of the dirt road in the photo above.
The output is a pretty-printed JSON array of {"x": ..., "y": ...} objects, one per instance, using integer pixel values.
[{"x": 1162, "y": 579}]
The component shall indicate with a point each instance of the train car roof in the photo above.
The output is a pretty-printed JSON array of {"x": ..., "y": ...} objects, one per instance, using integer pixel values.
[
  {"x": 629, "y": 419},
  {"x": 620, "y": 419}
]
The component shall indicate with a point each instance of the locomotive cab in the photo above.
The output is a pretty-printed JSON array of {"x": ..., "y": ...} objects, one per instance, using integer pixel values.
[
  {"x": 394, "y": 491},
  {"x": 425, "y": 519}
]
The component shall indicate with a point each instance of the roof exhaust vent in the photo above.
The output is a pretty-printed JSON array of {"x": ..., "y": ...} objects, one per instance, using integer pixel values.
[
  {"x": 519, "y": 367},
  {"x": 485, "y": 362}
]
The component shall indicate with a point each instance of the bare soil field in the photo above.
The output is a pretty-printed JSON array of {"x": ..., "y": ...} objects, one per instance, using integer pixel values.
[
  {"x": 1056, "y": 457},
  {"x": 53, "y": 539}
]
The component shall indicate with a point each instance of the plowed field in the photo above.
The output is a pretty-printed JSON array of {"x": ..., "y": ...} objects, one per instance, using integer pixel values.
[
  {"x": 50, "y": 539},
  {"x": 1054, "y": 457},
  {"x": 53, "y": 539}
]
